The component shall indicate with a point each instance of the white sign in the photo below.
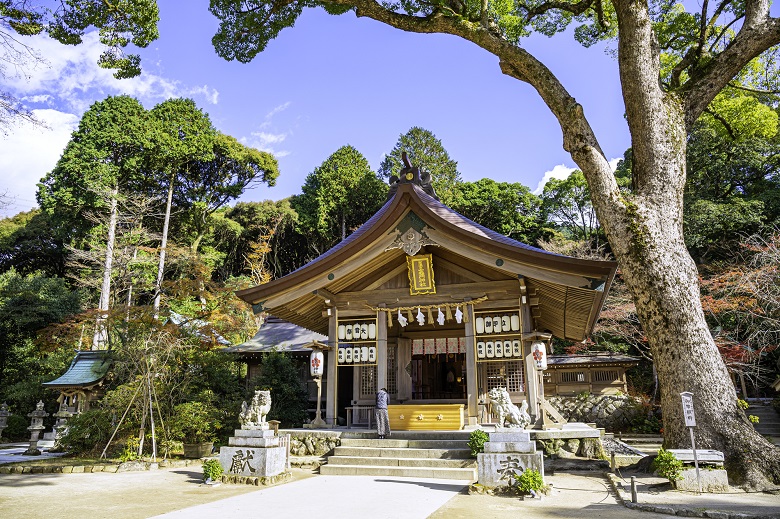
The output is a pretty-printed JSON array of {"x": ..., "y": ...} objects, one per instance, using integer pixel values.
[{"x": 687, "y": 405}]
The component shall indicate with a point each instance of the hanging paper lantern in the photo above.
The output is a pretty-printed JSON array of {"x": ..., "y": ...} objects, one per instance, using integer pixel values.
[
  {"x": 514, "y": 322},
  {"x": 372, "y": 331},
  {"x": 479, "y": 324},
  {"x": 342, "y": 355},
  {"x": 316, "y": 363},
  {"x": 539, "y": 352}
]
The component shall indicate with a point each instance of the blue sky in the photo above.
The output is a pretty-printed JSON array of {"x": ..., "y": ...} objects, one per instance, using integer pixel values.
[{"x": 327, "y": 82}]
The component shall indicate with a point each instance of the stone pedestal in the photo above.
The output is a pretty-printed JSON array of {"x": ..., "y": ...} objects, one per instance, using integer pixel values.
[
  {"x": 253, "y": 452},
  {"x": 712, "y": 480},
  {"x": 507, "y": 453}
]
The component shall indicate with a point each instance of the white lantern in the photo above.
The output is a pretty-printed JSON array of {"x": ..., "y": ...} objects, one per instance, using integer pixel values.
[
  {"x": 539, "y": 352},
  {"x": 342, "y": 355},
  {"x": 316, "y": 363}
]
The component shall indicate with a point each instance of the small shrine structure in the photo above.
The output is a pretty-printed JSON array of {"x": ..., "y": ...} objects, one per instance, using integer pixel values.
[
  {"x": 82, "y": 383},
  {"x": 436, "y": 308}
]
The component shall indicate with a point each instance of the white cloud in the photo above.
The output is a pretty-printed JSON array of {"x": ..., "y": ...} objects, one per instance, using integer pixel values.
[
  {"x": 29, "y": 152},
  {"x": 74, "y": 80},
  {"x": 267, "y": 141},
  {"x": 562, "y": 171}
]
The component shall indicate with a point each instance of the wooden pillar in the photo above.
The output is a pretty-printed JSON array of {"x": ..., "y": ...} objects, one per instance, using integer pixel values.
[
  {"x": 332, "y": 385},
  {"x": 404, "y": 356},
  {"x": 531, "y": 376},
  {"x": 381, "y": 351},
  {"x": 471, "y": 368}
]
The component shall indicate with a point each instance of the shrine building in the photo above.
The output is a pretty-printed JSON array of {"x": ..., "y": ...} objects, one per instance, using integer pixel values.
[{"x": 434, "y": 307}]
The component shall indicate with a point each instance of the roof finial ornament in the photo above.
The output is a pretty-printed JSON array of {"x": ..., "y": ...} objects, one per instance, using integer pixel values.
[
  {"x": 405, "y": 159},
  {"x": 410, "y": 174}
]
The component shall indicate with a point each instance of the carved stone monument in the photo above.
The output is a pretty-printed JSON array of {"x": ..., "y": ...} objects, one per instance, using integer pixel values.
[
  {"x": 36, "y": 426},
  {"x": 507, "y": 454},
  {"x": 510, "y": 449},
  {"x": 255, "y": 449}
]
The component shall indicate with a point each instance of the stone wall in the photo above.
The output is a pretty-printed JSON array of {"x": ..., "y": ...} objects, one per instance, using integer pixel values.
[
  {"x": 313, "y": 445},
  {"x": 612, "y": 412}
]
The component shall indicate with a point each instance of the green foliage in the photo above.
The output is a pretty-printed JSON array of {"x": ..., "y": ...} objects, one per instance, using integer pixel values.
[
  {"x": 753, "y": 418},
  {"x": 507, "y": 208},
  {"x": 16, "y": 429},
  {"x": 426, "y": 152},
  {"x": 280, "y": 375},
  {"x": 529, "y": 481},
  {"x": 212, "y": 470},
  {"x": 130, "y": 450},
  {"x": 89, "y": 432},
  {"x": 567, "y": 203},
  {"x": 646, "y": 425},
  {"x": 28, "y": 304},
  {"x": 195, "y": 422},
  {"x": 667, "y": 465},
  {"x": 477, "y": 440},
  {"x": 338, "y": 197},
  {"x": 742, "y": 404}
]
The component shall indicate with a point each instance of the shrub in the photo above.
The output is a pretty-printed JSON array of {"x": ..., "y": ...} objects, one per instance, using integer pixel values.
[
  {"x": 667, "y": 465},
  {"x": 212, "y": 470},
  {"x": 530, "y": 481},
  {"x": 88, "y": 432},
  {"x": 477, "y": 440},
  {"x": 195, "y": 422},
  {"x": 280, "y": 375},
  {"x": 130, "y": 451},
  {"x": 17, "y": 428}
]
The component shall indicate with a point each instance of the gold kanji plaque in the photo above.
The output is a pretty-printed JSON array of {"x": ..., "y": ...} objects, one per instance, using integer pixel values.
[{"x": 420, "y": 274}]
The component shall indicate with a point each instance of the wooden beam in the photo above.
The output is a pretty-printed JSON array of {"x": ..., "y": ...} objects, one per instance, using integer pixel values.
[
  {"x": 387, "y": 277},
  {"x": 444, "y": 293},
  {"x": 509, "y": 265}
]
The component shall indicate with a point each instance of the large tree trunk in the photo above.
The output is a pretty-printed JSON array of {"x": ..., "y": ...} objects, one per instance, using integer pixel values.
[
  {"x": 645, "y": 230},
  {"x": 100, "y": 339}
]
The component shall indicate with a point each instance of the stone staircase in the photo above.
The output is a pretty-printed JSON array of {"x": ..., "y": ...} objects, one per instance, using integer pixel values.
[
  {"x": 441, "y": 455},
  {"x": 647, "y": 443},
  {"x": 768, "y": 419}
]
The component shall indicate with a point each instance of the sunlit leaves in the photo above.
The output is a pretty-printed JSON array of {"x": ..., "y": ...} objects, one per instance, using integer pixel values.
[{"x": 246, "y": 27}]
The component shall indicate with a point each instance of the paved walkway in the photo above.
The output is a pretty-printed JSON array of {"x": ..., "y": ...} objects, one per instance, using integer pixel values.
[
  {"x": 12, "y": 453},
  {"x": 345, "y": 497}
]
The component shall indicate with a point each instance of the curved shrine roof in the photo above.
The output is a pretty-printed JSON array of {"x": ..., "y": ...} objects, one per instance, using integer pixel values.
[{"x": 568, "y": 292}]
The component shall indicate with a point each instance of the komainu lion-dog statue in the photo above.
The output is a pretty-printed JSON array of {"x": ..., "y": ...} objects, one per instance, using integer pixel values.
[
  {"x": 508, "y": 413},
  {"x": 254, "y": 415}
]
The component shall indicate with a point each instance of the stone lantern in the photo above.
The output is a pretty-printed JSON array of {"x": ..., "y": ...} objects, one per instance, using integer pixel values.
[
  {"x": 61, "y": 425},
  {"x": 35, "y": 428},
  {"x": 4, "y": 414}
]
